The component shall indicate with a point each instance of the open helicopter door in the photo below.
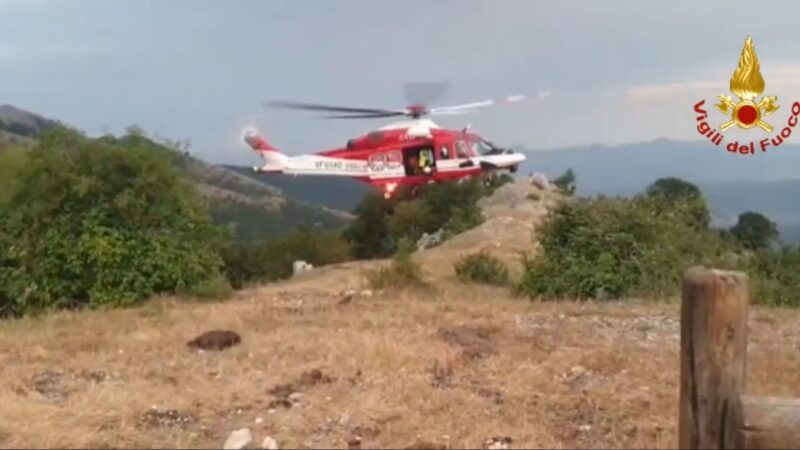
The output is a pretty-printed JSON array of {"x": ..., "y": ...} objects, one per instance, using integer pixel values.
[{"x": 419, "y": 160}]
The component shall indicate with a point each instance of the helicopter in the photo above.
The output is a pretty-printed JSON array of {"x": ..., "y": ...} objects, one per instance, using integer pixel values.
[{"x": 408, "y": 153}]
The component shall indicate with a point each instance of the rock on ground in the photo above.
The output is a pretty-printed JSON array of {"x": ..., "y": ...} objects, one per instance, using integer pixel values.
[{"x": 239, "y": 439}]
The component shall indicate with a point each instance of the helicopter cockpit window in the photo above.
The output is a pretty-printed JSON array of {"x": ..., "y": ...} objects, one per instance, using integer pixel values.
[
  {"x": 461, "y": 149},
  {"x": 481, "y": 148}
]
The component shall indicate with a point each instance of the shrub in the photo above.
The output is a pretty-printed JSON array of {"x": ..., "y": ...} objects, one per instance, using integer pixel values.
[
  {"x": 94, "y": 223},
  {"x": 368, "y": 233},
  {"x": 272, "y": 259},
  {"x": 403, "y": 271},
  {"x": 380, "y": 224},
  {"x": 776, "y": 276},
  {"x": 12, "y": 161},
  {"x": 484, "y": 268},
  {"x": 216, "y": 288},
  {"x": 668, "y": 193},
  {"x": 610, "y": 248},
  {"x": 411, "y": 219}
]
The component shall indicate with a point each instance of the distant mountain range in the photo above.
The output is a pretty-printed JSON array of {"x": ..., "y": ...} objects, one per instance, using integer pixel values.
[
  {"x": 21, "y": 124},
  {"x": 768, "y": 183}
]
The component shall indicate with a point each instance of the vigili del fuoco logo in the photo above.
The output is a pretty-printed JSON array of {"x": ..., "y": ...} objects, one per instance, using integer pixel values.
[{"x": 747, "y": 111}]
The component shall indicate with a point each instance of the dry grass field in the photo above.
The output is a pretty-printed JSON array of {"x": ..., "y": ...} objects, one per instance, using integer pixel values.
[
  {"x": 444, "y": 368},
  {"x": 450, "y": 369}
]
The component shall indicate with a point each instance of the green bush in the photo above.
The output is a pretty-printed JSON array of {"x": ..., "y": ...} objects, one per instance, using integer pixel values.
[
  {"x": 402, "y": 273},
  {"x": 410, "y": 219},
  {"x": 216, "y": 288},
  {"x": 611, "y": 248},
  {"x": 380, "y": 224},
  {"x": 669, "y": 192},
  {"x": 12, "y": 160},
  {"x": 776, "y": 277},
  {"x": 368, "y": 233},
  {"x": 94, "y": 223},
  {"x": 272, "y": 259},
  {"x": 483, "y": 268}
]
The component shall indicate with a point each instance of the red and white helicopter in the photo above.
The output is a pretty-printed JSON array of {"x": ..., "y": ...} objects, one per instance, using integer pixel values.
[{"x": 408, "y": 153}]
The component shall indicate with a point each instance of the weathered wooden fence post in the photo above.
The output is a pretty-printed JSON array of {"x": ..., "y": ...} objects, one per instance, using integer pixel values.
[
  {"x": 769, "y": 423},
  {"x": 713, "y": 351},
  {"x": 714, "y": 411}
]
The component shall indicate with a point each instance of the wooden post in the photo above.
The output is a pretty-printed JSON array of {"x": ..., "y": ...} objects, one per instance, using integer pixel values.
[
  {"x": 769, "y": 422},
  {"x": 713, "y": 351}
]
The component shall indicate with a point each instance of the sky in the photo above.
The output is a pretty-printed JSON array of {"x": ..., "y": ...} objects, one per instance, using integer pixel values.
[{"x": 618, "y": 71}]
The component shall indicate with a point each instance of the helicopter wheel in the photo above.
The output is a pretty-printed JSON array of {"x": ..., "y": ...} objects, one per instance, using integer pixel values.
[{"x": 513, "y": 169}]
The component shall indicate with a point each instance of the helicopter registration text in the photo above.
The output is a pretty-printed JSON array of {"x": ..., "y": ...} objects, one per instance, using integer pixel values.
[{"x": 341, "y": 165}]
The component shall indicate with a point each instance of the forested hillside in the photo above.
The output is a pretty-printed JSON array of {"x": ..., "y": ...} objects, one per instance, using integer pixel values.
[
  {"x": 340, "y": 193},
  {"x": 257, "y": 210}
]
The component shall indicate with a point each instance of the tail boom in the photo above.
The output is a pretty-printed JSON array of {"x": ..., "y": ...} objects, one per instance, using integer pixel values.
[{"x": 274, "y": 161}]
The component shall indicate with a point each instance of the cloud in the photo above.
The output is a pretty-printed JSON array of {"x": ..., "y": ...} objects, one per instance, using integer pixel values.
[{"x": 779, "y": 76}]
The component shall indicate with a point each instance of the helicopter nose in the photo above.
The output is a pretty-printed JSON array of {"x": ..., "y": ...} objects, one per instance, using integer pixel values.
[{"x": 515, "y": 156}]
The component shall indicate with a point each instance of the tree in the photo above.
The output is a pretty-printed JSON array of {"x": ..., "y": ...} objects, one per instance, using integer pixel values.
[
  {"x": 614, "y": 248},
  {"x": 755, "y": 231},
  {"x": 91, "y": 222},
  {"x": 673, "y": 192},
  {"x": 380, "y": 224},
  {"x": 367, "y": 233},
  {"x": 566, "y": 182},
  {"x": 673, "y": 189},
  {"x": 272, "y": 259},
  {"x": 12, "y": 161},
  {"x": 411, "y": 219}
]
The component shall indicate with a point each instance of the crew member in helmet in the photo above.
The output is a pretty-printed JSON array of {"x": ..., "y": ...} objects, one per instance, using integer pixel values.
[{"x": 425, "y": 161}]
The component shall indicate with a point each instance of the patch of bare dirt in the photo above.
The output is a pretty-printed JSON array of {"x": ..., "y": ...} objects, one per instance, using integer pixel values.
[
  {"x": 57, "y": 385},
  {"x": 170, "y": 418},
  {"x": 287, "y": 395},
  {"x": 475, "y": 342},
  {"x": 215, "y": 340}
]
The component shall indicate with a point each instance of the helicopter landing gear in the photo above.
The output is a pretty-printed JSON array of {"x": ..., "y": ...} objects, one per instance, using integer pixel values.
[
  {"x": 513, "y": 169},
  {"x": 488, "y": 180}
]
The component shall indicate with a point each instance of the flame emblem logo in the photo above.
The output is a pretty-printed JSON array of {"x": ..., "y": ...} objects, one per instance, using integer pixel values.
[{"x": 747, "y": 84}]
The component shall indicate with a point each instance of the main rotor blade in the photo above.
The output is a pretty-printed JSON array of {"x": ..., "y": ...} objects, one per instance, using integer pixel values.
[
  {"x": 365, "y": 116},
  {"x": 330, "y": 108},
  {"x": 449, "y": 112},
  {"x": 470, "y": 106}
]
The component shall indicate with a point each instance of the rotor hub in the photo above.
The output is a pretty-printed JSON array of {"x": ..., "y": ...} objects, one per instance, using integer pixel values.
[{"x": 416, "y": 111}]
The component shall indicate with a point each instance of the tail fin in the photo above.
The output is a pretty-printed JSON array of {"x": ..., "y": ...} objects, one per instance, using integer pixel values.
[{"x": 274, "y": 160}]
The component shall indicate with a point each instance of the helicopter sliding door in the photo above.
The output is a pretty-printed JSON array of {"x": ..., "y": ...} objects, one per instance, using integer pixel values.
[{"x": 419, "y": 160}]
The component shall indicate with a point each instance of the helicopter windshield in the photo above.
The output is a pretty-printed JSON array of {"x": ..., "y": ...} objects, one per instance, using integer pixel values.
[{"x": 483, "y": 147}]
